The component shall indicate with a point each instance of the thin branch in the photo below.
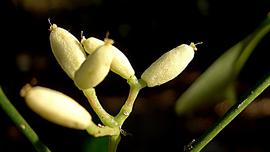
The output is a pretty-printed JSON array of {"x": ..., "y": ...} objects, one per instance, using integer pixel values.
[
  {"x": 196, "y": 146},
  {"x": 105, "y": 117},
  {"x": 19, "y": 121},
  {"x": 99, "y": 131},
  {"x": 135, "y": 87}
]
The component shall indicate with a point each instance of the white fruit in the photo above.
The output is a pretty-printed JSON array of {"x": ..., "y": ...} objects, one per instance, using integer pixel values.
[
  {"x": 67, "y": 50},
  {"x": 91, "y": 44},
  {"x": 95, "y": 68},
  {"x": 169, "y": 65},
  {"x": 56, "y": 107},
  {"x": 120, "y": 63}
]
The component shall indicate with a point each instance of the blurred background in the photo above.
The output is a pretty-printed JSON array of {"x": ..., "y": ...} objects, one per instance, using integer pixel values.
[{"x": 143, "y": 31}]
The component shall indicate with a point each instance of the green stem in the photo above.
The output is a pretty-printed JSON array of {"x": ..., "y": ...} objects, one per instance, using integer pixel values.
[
  {"x": 19, "y": 121},
  {"x": 135, "y": 87},
  {"x": 99, "y": 131},
  {"x": 105, "y": 117},
  {"x": 113, "y": 124},
  {"x": 227, "y": 118},
  {"x": 113, "y": 143}
]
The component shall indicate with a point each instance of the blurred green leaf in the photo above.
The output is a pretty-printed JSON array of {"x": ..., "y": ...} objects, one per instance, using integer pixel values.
[{"x": 217, "y": 82}]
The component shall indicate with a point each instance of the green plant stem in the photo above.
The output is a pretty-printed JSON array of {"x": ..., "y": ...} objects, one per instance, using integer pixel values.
[
  {"x": 135, "y": 87},
  {"x": 19, "y": 121},
  {"x": 227, "y": 118},
  {"x": 113, "y": 124},
  {"x": 113, "y": 143},
  {"x": 99, "y": 131},
  {"x": 105, "y": 117}
]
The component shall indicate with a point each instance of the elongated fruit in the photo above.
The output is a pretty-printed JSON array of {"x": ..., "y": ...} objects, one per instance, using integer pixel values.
[
  {"x": 95, "y": 68},
  {"x": 67, "y": 50},
  {"x": 56, "y": 107},
  {"x": 120, "y": 63},
  {"x": 169, "y": 65}
]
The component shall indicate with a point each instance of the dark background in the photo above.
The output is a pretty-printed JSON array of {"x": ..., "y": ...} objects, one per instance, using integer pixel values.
[{"x": 143, "y": 30}]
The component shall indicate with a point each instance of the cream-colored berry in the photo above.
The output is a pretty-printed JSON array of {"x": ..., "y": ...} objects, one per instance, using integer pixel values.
[
  {"x": 169, "y": 65},
  {"x": 91, "y": 44},
  {"x": 56, "y": 107},
  {"x": 67, "y": 50},
  {"x": 120, "y": 63},
  {"x": 95, "y": 68}
]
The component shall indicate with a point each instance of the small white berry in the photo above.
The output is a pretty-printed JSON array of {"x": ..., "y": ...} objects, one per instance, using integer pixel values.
[
  {"x": 56, "y": 107},
  {"x": 91, "y": 44},
  {"x": 95, "y": 68},
  {"x": 67, "y": 50},
  {"x": 169, "y": 65},
  {"x": 120, "y": 63}
]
